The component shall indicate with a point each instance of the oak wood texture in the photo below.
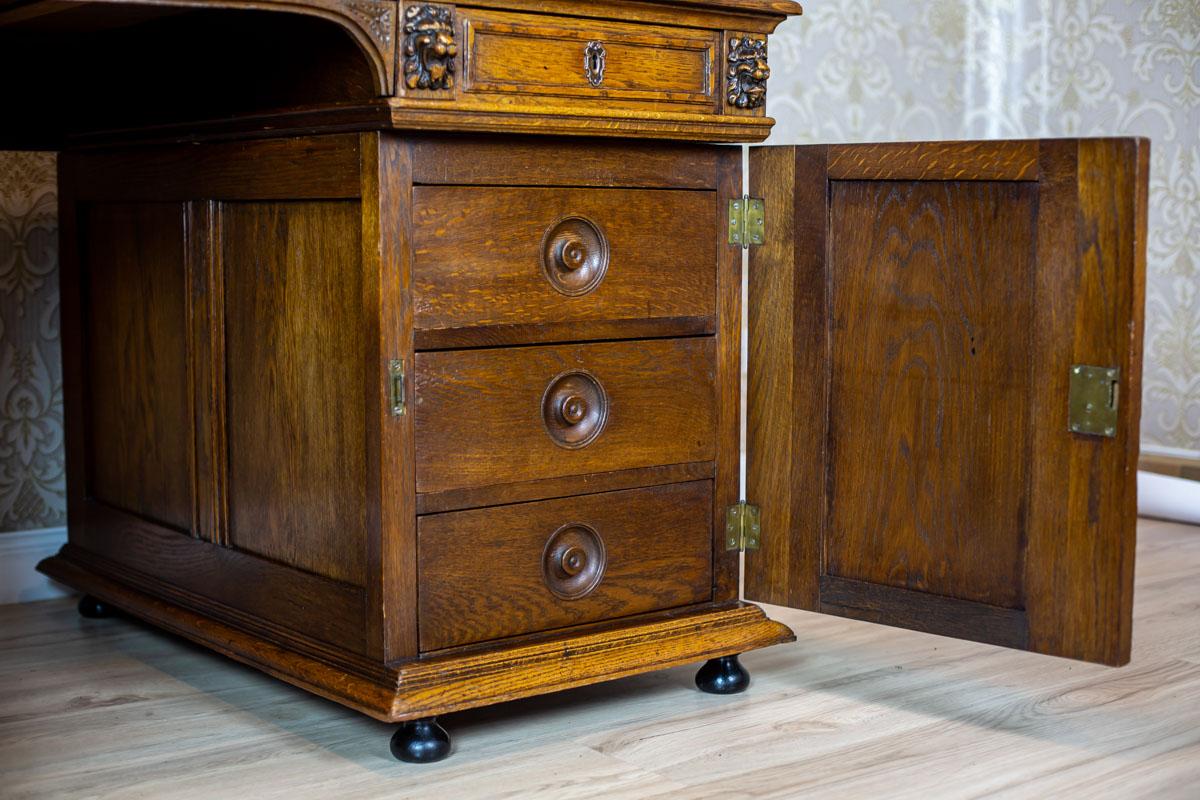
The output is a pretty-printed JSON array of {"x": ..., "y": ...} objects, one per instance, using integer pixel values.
[
  {"x": 656, "y": 552},
  {"x": 295, "y": 350},
  {"x": 908, "y": 383},
  {"x": 550, "y": 488},
  {"x": 478, "y": 414},
  {"x": 288, "y": 292},
  {"x": 391, "y": 553},
  {"x": 455, "y": 682},
  {"x": 465, "y": 276},
  {"x": 137, "y": 391},
  {"x": 849, "y": 710},
  {"x": 520, "y": 54},
  {"x": 600, "y": 163}
]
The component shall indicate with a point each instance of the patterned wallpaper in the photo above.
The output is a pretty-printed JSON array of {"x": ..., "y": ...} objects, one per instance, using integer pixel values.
[
  {"x": 850, "y": 70},
  {"x": 877, "y": 70},
  {"x": 32, "y": 480}
]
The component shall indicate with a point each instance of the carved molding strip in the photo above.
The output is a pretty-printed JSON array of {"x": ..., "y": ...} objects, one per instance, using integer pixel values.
[
  {"x": 747, "y": 73},
  {"x": 429, "y": 49}
]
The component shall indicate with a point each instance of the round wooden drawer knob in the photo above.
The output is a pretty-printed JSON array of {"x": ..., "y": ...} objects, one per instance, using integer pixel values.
[
  {"x": 574, "y": 560},
  {"x": 574, "y": 409},
  {"x": 575, "y": 255}
]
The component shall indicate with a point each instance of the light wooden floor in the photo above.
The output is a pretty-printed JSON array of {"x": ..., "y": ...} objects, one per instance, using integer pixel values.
[{"x": 114, "y": 709}]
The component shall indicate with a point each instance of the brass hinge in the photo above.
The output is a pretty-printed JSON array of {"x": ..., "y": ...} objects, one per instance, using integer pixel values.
[
  {"x": 743, "y": 527},
  {"x": 1092, "y": 400},
  {"x": 747, "y": 221},
  {"x": 396, "y": 391}
]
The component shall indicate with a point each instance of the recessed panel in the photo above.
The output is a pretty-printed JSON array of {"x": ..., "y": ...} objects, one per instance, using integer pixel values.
[
  {"x": 140, "y": 454},
  {"x": 296, "y": 359},
  {"x": 931, "y": 300}
]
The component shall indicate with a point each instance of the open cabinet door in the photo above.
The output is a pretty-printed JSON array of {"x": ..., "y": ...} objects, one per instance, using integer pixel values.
[{"x": 923, "y": 318}]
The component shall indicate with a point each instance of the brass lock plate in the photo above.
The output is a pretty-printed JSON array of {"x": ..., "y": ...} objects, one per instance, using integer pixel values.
[{"x": 1093, "y": 400}]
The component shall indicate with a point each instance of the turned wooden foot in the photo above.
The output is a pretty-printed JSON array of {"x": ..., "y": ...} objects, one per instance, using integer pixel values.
[
  {"x": 92, "y": 608},
  {"x": 722, "y": 676},
  {"x": 421, "y": 741}
]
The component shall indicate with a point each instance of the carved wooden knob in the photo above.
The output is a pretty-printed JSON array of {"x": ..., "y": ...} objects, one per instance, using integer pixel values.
[
  {"x": 574, "y": 409},
  {"x": 575, "y": 256},
  {"x": 573, "y": 561},
  {"x": 572, "y": 254}
]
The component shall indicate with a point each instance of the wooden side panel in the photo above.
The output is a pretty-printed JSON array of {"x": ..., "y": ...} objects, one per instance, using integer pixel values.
[
  {"x": 657, "y": 553},
  {"x": 138, "y": 405},
  {"x": 930, "y": 385},
  {"x": 296, "y": 354},
  {"x": 937, "y": 485}
]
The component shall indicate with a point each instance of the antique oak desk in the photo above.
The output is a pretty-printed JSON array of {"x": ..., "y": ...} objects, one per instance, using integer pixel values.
[{"x": 402, "y": 353}]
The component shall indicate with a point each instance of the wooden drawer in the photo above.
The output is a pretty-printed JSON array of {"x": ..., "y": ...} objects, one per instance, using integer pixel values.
[
  {"x": 520, "y": 54},
  {"x": 517, "y": 569},
  {"x": 535, "y": 263},
  {"x": 485, "y": 417}
]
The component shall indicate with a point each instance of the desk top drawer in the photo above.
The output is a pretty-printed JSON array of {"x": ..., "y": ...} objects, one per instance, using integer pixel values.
[
  {"x": 499, "y": 264},
  {"x": 506, "y": 571},
  {"x": 521, "y": 54},
  {"x": 485, "y": 417}
]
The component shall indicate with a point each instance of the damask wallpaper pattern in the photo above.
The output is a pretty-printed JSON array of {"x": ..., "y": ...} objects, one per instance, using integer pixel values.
[
  {"x": 878, "y": 70},
  {"x": 849, "y": 70},
  {"x": 32, "y": 479}
]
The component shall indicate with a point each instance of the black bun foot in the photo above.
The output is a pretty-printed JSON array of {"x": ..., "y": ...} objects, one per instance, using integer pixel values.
[
  {"x": 92, "y": 608},
  {"x": 421, "y": 741},
  {"x": 723, "y": 676}
]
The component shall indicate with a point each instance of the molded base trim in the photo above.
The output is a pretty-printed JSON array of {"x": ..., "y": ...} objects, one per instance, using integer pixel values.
[{"x": 441, "y": 684}]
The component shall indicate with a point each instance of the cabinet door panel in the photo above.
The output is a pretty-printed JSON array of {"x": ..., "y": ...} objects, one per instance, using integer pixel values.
[{"x": 914, "y": 317}]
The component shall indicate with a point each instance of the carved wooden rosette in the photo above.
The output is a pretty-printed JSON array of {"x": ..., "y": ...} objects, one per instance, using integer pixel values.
[
  {"x": 429, "y": 49},
  {"x": 747, "y": 72}
]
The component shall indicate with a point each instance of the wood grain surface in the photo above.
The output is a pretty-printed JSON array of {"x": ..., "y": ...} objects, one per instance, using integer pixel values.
[
  {"x": 541, "y": 55},
  {"x": 908, "y": 416},
  {"x": 137, "y": 399},
  {"x": 492, "y": 161},
  {"x": 116, "y": 709},
  {"x": 467, "y": 274},
  {"x": 479, "y": 413},
  {"x": 296, "y": 354},
  {"x": 657, "y": 554},
  {"x": 931, "y": 298}
]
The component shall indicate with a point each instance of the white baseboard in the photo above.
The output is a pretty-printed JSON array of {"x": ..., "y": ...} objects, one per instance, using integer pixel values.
[
  {"x": 1170, "y": 452},
  {"x": 20, "y": 551}
]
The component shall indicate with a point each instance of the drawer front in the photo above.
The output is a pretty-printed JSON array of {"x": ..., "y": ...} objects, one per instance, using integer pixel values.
[
  {"x": 544, "y": 55},
  {"x": 485, "y": 417},
  {"x": 529, "y": 567},
  {"x": 566, "y": 258}
]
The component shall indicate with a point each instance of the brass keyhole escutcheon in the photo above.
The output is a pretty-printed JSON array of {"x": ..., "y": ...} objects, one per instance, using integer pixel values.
[
  {"x": 574, "y": 409},
  {"x": 575, "y": 255},
  {"x": 595, "y": 57},
  {"x": 574, "y": 561}
]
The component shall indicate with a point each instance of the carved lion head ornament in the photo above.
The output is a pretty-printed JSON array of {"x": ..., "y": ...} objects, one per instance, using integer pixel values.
[
  {"x": 429, "y": 47},
  {"x": 748, "y": 72}
]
